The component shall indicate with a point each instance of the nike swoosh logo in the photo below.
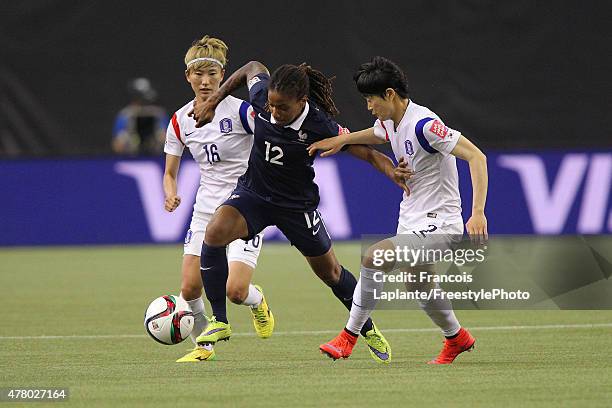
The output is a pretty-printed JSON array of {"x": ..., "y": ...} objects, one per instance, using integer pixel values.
[
  {"x": 206, "y": 269},
  {"x": 315, "y": 232},
  {"x": 262, "y": 118},
  {"x": 247, "y": 250},
  {"x": 334, "y": 348},
  {"x": 213, "y": 331},
  {"x": 187, "y": 134},
  {"x": 381, "y": 355}
]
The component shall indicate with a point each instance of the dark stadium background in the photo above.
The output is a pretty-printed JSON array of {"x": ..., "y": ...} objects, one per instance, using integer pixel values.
[
  {"x": 85, "y": 244},
  {"x": 518, "y": 74}
]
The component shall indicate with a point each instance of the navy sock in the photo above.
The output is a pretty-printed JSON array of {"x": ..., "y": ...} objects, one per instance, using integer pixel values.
[
  {"x": 214, "y": 272},
  {"x": 344, "y": 290}
]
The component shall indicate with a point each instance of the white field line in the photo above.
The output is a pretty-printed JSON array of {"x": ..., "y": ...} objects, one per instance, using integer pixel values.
[{"x": 318, "y": 332}]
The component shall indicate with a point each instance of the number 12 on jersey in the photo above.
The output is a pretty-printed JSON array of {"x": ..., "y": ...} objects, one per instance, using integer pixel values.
[
  {"x": 274, "y": 149},
  {"x": 313, "y": 221}
]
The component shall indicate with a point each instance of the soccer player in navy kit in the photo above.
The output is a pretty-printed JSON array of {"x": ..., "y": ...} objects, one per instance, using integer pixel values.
[{"x": 293, "y": 110}]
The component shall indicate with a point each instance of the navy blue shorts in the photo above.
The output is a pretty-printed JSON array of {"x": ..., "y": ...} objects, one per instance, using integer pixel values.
[{"x": 305, "y": 231}]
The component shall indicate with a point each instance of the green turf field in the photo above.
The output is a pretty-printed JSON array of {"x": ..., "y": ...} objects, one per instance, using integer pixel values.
[{"x": 90, "y": 302}]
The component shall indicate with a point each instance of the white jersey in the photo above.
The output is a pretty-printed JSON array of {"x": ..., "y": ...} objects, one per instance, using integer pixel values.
[
  {"x": 221, "y": 148},
  {"x": 425, "y": 144}
]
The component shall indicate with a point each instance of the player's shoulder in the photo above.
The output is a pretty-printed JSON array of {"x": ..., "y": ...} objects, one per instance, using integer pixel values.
[
  {"x": 320, "y": 122},
  {"x": 232, "y": 103},
  {"x": 232, "y": 106},
  {"x": 421, "y": 112},
  {"x": 182, "y": 114}
]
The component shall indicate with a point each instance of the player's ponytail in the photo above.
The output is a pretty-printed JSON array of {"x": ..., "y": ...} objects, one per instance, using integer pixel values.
[
  {"x": 320, "y": 89},
  {"x": 303, "y": 80}
]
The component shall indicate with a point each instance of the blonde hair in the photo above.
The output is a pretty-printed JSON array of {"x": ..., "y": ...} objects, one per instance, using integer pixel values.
[{"x": 206, "y": 47}]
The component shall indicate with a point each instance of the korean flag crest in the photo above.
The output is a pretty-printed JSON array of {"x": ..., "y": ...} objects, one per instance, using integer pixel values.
[
  {"x": 409, "y": 148},
  {"x": 225, "y": 125}
]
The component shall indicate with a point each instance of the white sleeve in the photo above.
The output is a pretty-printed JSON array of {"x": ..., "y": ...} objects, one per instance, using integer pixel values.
[
  {"x": 174, "y": 144},
  {"x": 440, "y": 137},
  {"x": 380, "y": 130}
]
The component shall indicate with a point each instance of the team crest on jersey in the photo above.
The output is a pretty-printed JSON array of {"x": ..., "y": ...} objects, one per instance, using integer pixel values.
[
  {"x": 302, "y": 136},
  {"x": 409, "y": 148},
  {"x": 438, "y": 129},
  {"x": 225, "y": 125}
]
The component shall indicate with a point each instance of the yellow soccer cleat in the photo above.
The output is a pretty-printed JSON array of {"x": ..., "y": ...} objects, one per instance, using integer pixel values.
[
  {"x": 380, "y": 350},
  {"x": 214, "y": 332},
  {"x": 198, "y": 354},
  {"x": 263, "y": 319}
]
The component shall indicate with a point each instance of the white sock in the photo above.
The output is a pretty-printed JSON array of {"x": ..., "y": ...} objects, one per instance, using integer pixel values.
[
  {"x": 254, "y": 297},
  {"x": 363, "y": 299},
  {"x": 199, "y": 319},
  {"x": 440, "y": 311}
]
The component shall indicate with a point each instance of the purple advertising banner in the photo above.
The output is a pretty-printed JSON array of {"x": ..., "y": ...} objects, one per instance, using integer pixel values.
[{"x": 113, "y": 201}]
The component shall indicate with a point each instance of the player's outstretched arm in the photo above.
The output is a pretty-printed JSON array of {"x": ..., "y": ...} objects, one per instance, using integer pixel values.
[
  {"x": 203, "y": 112},
  {"x": 384, "y": 164},
  {"x": 466, "y": 150},
  {"x": 333, "y": 145},
  {"x": 172, "y": 200}
]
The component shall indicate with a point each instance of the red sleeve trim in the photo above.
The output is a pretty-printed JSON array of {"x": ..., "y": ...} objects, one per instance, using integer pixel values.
[
  {"x": 177, "y": 129},
  {"x": 386, "y": 133}
]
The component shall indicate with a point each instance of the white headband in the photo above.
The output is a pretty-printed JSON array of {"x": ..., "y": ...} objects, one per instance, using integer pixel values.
[{"x": 193, "y": 61}]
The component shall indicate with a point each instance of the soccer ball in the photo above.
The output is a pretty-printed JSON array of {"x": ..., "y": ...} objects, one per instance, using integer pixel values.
[{"x": 168, "y": 320}]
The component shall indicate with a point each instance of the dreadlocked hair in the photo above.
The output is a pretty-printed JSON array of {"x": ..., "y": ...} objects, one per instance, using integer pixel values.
[{"x": 302, "y": 80}]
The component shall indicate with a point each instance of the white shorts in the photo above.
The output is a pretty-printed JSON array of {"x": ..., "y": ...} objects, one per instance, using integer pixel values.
[
  {"x": 239, "y": 250},
  {"x": 434, "y": 226},
  {"x": 434, "y": 235}
]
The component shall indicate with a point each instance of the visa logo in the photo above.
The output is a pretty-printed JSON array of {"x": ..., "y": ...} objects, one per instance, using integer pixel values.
[
  {"x": 550, "y": 201},
  {"x": 169, "y": 227}
]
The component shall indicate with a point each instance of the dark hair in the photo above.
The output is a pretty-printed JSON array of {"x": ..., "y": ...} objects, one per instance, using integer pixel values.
[
  {"x": 301, "y": 80},
  {"x": 376, "y": 76}
]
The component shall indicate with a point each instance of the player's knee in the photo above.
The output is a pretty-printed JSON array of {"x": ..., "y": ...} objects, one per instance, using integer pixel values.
[
  {"x": 216, "y": 234},
  {"x": 374, "y": 259},
  {"x": 332, "y": 276},
  {"x": 190, "y": 290},
  {"x": 237, "y": 295},
  {"x": 371, "y": 258}
]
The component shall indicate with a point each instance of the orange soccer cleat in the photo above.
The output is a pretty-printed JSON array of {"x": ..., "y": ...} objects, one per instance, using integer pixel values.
[
  {"x": 455, "y": 346},
  {"x": 340, "y": 347}
]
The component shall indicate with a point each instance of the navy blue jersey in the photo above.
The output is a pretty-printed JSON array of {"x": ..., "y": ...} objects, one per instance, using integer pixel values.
[{"x": 280, "y": 170}]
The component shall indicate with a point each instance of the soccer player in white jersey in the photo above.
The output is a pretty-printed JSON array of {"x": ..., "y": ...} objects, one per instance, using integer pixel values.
[
  {"x": 221, "y": 148},
  {"x": 430, "y": 216}
]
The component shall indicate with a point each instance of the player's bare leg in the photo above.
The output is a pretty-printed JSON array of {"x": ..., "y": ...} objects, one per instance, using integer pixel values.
[
  {"x": 342, "y": 345},
  {"x": 241, "y": 291},
  {"x": 343, "y": 285},
  {"x": 238, "y": 282},
  {"x": 226, "y": 225}
]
